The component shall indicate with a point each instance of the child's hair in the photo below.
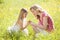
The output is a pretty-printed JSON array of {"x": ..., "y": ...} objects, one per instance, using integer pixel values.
[
  {"x": 22, "y": 11},
  {"x": 36, "y": 7}
]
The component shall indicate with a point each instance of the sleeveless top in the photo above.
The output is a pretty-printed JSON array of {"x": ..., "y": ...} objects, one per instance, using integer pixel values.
[
  {"x": 17, "y": 27},
  {"x": 50, "y": 22}
]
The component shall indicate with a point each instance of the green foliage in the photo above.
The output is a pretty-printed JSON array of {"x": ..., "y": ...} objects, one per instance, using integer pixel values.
[
  {"x": 9, "y": 12},
  {"x": 1, "y": 1}
]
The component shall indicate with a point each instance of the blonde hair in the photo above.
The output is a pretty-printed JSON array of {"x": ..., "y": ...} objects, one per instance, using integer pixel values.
[{"x": 36, "y": 7}]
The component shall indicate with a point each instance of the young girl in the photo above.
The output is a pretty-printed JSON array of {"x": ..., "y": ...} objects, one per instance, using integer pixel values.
[
  {"x": 45, "y": 23},
  {"x": 21, "y": 23}
]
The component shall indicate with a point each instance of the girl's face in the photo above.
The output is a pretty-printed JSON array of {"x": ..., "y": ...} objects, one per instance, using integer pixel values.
[{"x": 24, "y": 15}]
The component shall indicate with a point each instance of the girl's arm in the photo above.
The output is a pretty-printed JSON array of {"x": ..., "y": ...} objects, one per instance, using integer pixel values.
[
  {"x": 20, "y": 24},
  {"x": 26, "y": 25}
]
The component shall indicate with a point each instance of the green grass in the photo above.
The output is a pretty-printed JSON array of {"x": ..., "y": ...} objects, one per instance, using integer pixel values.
[{"x": 9, "y": 11}]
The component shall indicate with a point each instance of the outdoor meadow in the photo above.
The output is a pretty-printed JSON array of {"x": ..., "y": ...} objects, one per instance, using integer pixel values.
[{"x": 9, "y": 12}]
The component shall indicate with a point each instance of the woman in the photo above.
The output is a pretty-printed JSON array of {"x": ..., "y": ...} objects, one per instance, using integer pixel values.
[{"x": 45, "y": 23}]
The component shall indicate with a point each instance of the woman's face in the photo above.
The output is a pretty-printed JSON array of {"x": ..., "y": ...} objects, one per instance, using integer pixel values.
[{"x": 34, "y": 12}]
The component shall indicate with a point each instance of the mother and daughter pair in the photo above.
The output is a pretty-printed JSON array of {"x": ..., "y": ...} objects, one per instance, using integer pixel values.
[{"x": 45, "y": 22}]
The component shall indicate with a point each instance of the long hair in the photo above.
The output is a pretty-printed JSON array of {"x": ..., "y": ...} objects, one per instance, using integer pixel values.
[
  {"x": 36, "y": 7},
  {"x": 23, "y": 10}
]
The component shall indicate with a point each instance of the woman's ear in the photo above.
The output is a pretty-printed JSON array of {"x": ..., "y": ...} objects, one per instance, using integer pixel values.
[{"x": 39, "y": 11}]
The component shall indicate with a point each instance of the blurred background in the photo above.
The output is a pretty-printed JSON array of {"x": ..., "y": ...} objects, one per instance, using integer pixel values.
[{"x": 10, "y": 9}]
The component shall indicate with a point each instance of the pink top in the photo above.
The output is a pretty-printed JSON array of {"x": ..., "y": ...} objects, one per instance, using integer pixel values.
[{"x": 50, "y": 22}]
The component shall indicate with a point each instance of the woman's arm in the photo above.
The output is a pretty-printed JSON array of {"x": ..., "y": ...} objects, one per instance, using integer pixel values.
[
  {"x": 44, "y": 26},
  {"x": 45, "y": 22},
  {"x": 35, "y": 25}
]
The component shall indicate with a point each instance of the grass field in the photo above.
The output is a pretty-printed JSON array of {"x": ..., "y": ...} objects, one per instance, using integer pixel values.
[{"x": 9, "y": 11}]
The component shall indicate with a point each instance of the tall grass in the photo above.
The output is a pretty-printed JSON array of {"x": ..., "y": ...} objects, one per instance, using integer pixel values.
[{"x": 9, "y": 12}]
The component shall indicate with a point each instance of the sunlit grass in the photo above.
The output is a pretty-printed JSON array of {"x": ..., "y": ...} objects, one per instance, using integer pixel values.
[{"x": 9, "y": 11}]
